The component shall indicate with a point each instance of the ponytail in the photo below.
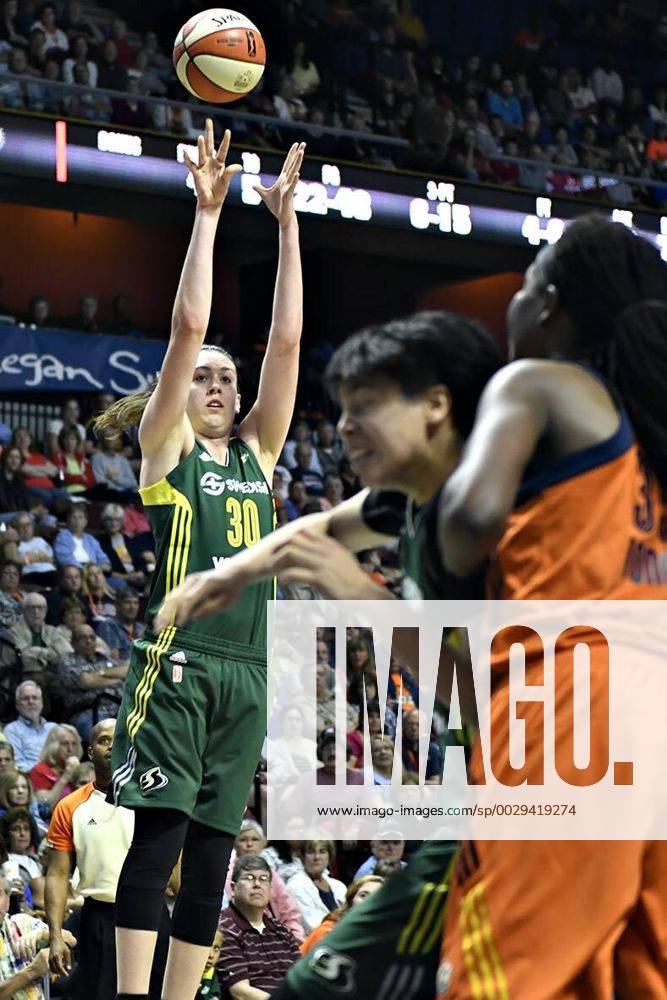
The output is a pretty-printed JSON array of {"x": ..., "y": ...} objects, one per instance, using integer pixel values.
[
  {"x": 613, "y": 285},
  {"x": 639, "y": 371},
  {"x": 124, "y": 413}
]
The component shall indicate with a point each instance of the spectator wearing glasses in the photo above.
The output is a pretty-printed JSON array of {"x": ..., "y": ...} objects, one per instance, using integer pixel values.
[
  {"x": 250, "y": 842},
  {"x": 257, "y": 950}
]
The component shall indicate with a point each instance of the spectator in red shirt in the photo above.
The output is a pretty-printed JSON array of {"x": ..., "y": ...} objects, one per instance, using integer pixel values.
[
  {"x": 61, "y": 756},
  {"x": 77, "y": 474},
  {"x": 119, "y": 36},
  {"x": 657, "y": 148},
  {"x": 257, "y": 950},
  {"x": 37, "y": 471}
]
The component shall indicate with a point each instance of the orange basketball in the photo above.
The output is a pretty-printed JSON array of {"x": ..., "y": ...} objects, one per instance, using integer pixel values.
[{"x": 219, "y": 55}]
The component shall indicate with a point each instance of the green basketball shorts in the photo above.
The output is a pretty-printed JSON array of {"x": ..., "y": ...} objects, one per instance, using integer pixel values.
[
  {"x": 191, "y": 727},
  {"x": 388, "y": 946}
]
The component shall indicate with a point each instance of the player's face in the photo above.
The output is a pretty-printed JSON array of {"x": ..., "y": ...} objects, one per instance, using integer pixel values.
[
  {"x": 366, "y": 890},
  {"x": 213, "y": 401},
  {"x": 383, "y": 432},
  {"x": 527, "y": 313}
]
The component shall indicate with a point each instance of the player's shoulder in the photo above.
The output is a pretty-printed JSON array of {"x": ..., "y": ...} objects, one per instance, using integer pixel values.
[{"x": 539, "y": 377}]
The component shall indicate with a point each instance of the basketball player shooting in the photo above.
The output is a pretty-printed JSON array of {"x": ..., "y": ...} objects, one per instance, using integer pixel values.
[{"x": 192, "y": 721}]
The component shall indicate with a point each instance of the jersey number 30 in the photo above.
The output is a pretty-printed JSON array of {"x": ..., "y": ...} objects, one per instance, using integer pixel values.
[{"x": 243, "y": 523}]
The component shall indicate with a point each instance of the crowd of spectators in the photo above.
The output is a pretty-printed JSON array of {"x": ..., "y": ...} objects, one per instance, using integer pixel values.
[
  {"x": 375, "y": 70},
  {"x": 89, "y": 318},
  {"x": 76, "y": 560}
]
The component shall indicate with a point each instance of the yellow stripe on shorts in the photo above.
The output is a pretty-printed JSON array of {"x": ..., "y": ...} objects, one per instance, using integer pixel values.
[{"x": 487, "y": 978}]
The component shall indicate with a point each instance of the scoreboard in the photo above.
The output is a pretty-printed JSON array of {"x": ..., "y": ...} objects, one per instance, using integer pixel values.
[{"x": 79, "y": 154}]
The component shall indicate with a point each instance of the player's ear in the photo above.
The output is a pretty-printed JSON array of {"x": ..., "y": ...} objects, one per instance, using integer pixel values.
[
  {"x": 550, "y": 304},
  {"x": 438, "y": 404}
]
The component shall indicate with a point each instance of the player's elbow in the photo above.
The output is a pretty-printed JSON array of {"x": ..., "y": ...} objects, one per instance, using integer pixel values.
[{"x": 468, "y": 533}]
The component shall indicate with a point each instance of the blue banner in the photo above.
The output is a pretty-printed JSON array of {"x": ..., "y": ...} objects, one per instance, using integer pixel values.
[{"x": 60, "y": 361}]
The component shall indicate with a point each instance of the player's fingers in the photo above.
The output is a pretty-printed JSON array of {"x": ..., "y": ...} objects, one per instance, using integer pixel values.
[
  {"x": 210, "y": 144},
  {"x": 289, "y": 158},
  {"x": 201, "y": 145},
  {"x": 298, "y": 575},
  {"x": 190, "y": 164},
  {"x": 224, "y": 147}
]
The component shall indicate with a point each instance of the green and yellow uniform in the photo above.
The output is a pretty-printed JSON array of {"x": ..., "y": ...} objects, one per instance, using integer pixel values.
[{"x": 193, "y": 717}]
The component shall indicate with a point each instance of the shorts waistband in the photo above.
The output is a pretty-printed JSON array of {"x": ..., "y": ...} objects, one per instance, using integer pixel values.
[{"x": 196, "y": 643}]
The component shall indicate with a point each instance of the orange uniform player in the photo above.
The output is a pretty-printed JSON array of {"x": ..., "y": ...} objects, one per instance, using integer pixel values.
[{"x": 562, "y": 484}]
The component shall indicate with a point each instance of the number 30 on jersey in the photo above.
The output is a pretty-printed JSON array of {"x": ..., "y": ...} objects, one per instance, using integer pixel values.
[{"x": 243, "y": 523}]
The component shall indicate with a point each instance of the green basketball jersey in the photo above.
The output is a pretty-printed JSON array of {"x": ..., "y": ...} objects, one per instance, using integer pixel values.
[
  {"x": 203, "y": 513},
  {"x": 424, "y": 575}
]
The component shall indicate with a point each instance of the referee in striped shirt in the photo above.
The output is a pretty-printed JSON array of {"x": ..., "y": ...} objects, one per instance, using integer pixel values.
[{"x": 257, "y": 950}]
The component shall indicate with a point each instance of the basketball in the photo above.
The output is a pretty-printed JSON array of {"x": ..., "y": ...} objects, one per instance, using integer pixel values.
[{"x": 219, "y": 55}]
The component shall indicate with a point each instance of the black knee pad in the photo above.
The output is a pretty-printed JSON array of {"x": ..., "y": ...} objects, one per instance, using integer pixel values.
[
  {"x": 159, "y": 835},
  {"x": 203, "y": 872}
]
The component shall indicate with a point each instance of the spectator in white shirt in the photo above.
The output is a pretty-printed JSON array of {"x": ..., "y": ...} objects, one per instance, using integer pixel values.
[
  {"x": 313, "y": 890},
  {"x": 38, "y": 563},
  {"x": 80, "y": 57},
  {"x": 657, "y": 109},
  {"x": 606, "y": 83},
  {"x": 55, "y": 36}
]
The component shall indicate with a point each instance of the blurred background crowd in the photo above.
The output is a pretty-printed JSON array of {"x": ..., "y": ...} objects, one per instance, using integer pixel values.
[{"x": 474, "y": 88}]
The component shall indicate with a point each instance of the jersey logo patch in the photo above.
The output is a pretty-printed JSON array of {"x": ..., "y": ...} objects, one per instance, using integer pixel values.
[
  {"x": 337, "y": 970},
  {"x": 205, "y": 457},
  {"x": 212, "y": 483},
  {"x": 244, "y": 457},
  {"x": 152, "y": 780},
  {"x": 178, "y": 657}
]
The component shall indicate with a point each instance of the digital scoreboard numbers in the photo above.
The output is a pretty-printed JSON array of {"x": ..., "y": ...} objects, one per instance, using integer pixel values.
[
  {"x": 441, "y": 210},
  {"x": 311, "y": 197},
  {"x": 324, "y": 197},
  {"x": 75, "y": 153}
]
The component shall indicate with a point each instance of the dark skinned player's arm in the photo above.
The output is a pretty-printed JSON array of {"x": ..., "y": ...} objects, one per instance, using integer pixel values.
[{"x": 477, "y": 498}]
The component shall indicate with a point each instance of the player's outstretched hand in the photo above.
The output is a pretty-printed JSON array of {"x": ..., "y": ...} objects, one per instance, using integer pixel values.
[
  {"x": 211, "y": 175},
  {"x": 201, "y": 594},
  {"x": 279, "y": 198}
]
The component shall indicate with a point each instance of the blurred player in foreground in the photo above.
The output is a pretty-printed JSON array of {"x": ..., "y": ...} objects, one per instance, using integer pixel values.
[
  {"x": 562, "y": 484},
  {"x": 193, "y": 717},
  {"x": 404, "y": 423}
]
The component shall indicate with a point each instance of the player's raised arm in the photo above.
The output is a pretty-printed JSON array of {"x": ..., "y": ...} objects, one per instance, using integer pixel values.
[
  {"x": 295, "y": 552},
  {"x": 164, "y": 427},
  {"x": 480, "y": 493},
  {"x": 265, "y": 427}
]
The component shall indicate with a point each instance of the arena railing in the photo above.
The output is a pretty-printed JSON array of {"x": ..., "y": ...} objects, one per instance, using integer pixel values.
[{"x": 225, "y": 115}]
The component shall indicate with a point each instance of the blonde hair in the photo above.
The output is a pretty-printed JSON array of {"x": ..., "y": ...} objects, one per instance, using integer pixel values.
[
  {"x": 128, "y": 411},
  {"x": 52, "y": 743},
  {"x": 108, "y": 590}
]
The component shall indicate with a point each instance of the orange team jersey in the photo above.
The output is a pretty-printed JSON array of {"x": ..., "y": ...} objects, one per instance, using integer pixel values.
[
  {"x": 589, "y": 526},
  {"x": 571, "y": 920}
]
